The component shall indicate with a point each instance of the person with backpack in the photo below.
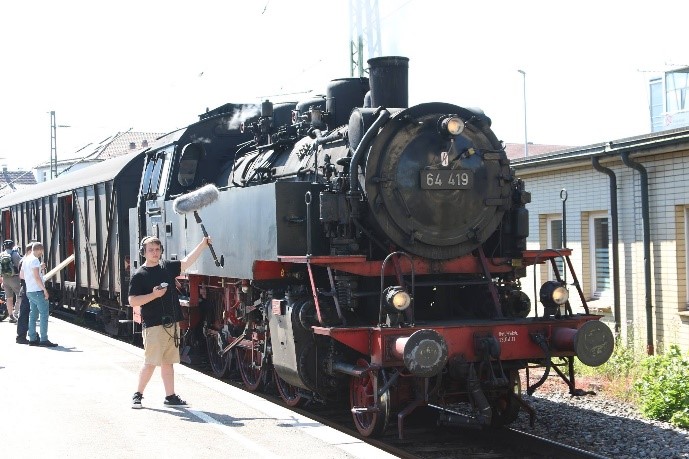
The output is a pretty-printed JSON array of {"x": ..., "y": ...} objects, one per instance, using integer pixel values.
[{"x": 9, "y": 270}]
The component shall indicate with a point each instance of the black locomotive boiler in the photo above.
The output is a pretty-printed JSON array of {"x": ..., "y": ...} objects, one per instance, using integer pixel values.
[{"x": 365, "y": 249}]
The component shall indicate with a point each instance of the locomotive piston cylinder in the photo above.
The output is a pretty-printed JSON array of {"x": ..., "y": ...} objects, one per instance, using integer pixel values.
[
  {"x": 592, "y": 343},
  {"x": 424, "y": 352}
]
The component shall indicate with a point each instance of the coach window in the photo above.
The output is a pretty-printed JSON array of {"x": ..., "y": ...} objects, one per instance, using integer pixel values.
[
  {"x": 146, "y": 182},
  {"x": 554, "y": 229},
  {"x": 163, "y": 159},
  {"x": 600, "y": 254},
  {"x": 153, "y": 181},
  {"x": 155, "y": 175},
  {"x": 192, "y": 153}
]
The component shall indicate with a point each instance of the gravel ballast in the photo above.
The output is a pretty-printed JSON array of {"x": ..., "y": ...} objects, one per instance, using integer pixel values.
[{"x": 602, "y": 425}]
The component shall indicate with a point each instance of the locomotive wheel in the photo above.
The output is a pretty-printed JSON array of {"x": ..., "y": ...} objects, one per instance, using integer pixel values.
[
  {"x": 288, "y": 393},
  {"x": 362, "y": 395},
  {"x": 251, "y": 367},
  {"x": 505, "y": 407},
  {"x": 219, "y": 363}
]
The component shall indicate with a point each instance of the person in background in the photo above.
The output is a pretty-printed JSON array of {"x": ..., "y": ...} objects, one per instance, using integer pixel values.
[
  {"x": 9, "y": 269},
  {"x": 152, "y": 287},
  {"x": 38, "y": 297},
  {"x": 24, "y": 307}
]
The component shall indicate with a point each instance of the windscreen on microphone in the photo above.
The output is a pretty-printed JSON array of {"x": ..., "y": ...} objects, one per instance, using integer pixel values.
[{"x": 196, "y": 200}]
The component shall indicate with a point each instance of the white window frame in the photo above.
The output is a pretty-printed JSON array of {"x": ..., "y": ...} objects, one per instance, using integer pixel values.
[
  {"x": 592, "y": 249},
  {"x": 549, "y": 241}
]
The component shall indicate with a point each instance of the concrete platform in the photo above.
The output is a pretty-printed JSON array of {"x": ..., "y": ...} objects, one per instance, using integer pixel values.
[{"x": 75, "y": 401}]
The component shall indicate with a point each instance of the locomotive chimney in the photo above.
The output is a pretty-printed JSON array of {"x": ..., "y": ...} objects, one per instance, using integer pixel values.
[{"x": 388, "y": 77}]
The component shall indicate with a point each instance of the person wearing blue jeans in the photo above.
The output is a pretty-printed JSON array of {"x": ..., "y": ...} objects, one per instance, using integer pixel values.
[
  {"x": 38, "y": 297},
  {"x": 24, "y": 307}
]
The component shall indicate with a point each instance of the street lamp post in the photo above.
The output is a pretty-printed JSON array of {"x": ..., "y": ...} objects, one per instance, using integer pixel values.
[{"x": 526, "y": 143}]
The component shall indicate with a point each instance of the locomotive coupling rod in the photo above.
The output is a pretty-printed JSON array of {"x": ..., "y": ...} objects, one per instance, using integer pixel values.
[{"x": 236, "y": 341}]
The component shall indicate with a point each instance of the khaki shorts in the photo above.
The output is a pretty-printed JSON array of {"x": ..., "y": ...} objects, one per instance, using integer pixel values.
[
  {"x": 11, "y": 286},
  {"x": 159, "y": 345}
]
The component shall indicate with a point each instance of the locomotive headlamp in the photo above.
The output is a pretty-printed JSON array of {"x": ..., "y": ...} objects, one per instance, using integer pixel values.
[
  {"x": 452, "y": 125},
  {"x": 553, "y": 294},
  {"x": 397, "y": 298},
  {"x": 560, "y": 295}
]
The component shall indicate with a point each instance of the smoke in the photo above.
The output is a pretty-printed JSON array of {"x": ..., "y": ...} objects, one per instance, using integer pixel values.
[{"x": 241, "y": 114}]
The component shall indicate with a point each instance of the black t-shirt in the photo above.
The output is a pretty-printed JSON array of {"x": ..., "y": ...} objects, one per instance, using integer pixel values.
[{"x": 163, "y": 310}]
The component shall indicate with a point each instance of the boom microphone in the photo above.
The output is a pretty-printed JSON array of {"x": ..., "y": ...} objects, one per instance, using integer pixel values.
[
  {"x": 196, "y": 199},
  {"x": 192, "y": 202}
]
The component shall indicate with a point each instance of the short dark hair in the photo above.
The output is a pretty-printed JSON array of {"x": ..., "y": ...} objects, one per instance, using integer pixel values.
[{"x": 150, "y": 239}]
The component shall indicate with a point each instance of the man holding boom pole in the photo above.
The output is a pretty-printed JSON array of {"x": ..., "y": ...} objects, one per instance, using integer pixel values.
[{"x": 152, "y": 288}]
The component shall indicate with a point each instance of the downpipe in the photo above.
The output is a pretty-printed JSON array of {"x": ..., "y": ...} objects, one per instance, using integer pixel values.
[
  {"x": 645, "y": 218},
  {"x": 595, "y": 162}
]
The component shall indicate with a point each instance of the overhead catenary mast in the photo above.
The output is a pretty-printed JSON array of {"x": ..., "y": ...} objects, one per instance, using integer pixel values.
[
  {"x": 53, "y": 146},
  {"x": 364, "y": 33}
]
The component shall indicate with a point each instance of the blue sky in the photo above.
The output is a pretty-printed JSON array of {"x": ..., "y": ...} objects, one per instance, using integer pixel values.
[{"x": 154, "y": 66}]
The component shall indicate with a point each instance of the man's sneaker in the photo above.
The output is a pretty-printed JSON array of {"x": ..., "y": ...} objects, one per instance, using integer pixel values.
[
  {"x": 136, "y": 400},
  {"x": 174, "y": 400},
  {"x": 47, "y": 343},
  {"x": 34, "y": 342},
  {"x": 12, "y": 319},
  {"x": 22, "y": 340}
]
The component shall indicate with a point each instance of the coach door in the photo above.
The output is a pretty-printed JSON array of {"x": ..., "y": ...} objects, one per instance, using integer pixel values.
[
  {"x": 7, "y": 225},
  {"x": 66, "y": 233},
  {"x": 153, "y": 190}
]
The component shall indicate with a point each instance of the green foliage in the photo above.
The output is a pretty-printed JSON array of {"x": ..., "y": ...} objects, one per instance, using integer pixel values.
[
  {"x": 681, "y": 418},
  {"x": 663, "y": 387}
]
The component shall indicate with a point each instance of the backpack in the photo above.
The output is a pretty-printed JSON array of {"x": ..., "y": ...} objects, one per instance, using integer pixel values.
[{"x": 7, "y": 267}]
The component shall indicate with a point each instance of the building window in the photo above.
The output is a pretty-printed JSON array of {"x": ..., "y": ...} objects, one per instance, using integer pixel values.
[
  {"x": 677, "y": 84},
  {"x": 656, "y": 91},
  {"x": 144, "y": 143},
  {"x": 554, "y": 227},
  {"x": 45, "y": 176},
  {"x": 600, "y": 254}
]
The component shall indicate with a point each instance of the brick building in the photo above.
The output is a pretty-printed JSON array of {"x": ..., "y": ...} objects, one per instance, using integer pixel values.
[{"x": 652, "y": 317}]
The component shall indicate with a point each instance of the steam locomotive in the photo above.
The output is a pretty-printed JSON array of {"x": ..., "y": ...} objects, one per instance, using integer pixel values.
[{"x": 362, "y": 248}]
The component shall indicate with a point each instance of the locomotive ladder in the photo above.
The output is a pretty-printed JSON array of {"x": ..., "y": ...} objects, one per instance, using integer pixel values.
[{"x": 491, "y": 286}]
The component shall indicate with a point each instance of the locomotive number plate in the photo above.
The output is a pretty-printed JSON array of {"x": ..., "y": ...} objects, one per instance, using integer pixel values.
[{"x": 455, "y": 179}]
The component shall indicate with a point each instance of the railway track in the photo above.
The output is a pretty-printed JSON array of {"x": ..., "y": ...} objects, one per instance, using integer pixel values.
[{"x": 423, "y": 439}]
